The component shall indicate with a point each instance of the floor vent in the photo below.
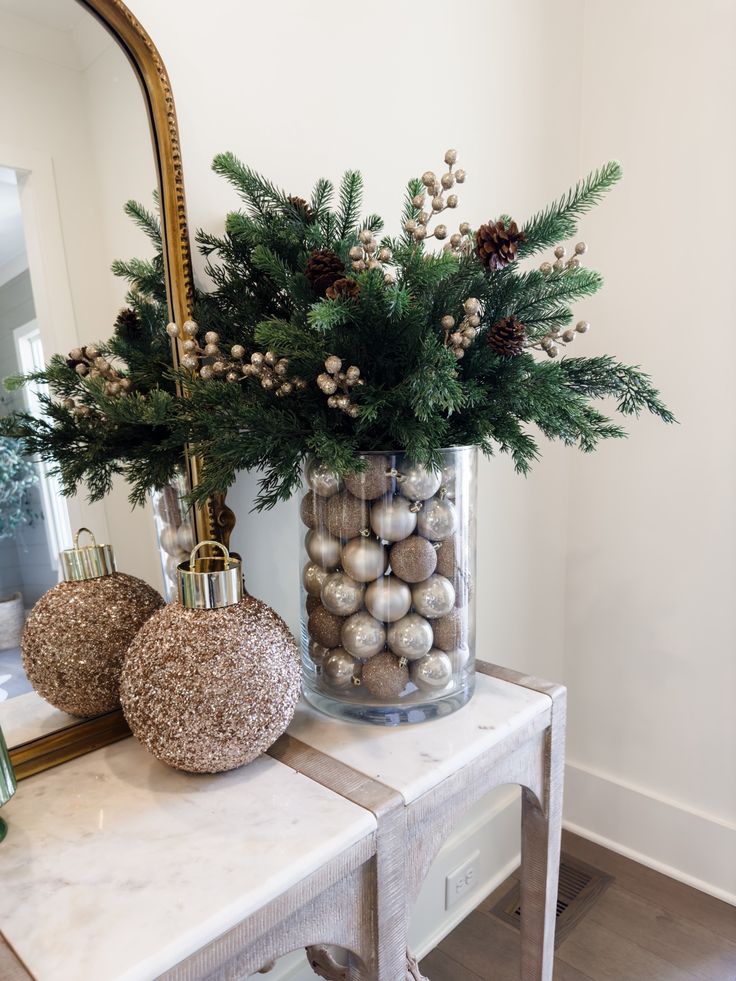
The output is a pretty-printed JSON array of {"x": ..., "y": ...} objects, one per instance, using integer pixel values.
[{"x": 579, "y": 887}]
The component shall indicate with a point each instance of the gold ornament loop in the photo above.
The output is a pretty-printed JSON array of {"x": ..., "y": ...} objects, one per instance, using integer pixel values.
[
  {"x": 83, "y": 562},
  {"x": 210, "y": 582}
]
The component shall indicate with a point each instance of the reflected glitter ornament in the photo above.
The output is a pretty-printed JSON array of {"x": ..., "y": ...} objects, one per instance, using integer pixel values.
[
  {"x": 385, "y": 676},
  {"x": 418, "y": 483},
  {"x": 313, "y": 510},
  {"x": 322, "y": 548},
  {"x": 431, "y": 672},
  {"x": 362, "y": 635},
  {"x": 77, "y": 634},
  {"x": 339, "y": 669},
  {"x": 410, "y": 637},
  {"x": 347, "y": 516},
  {"x": 213, "y": 679},
  {"x": 375, "y": 481},
  {"x": 341, "y": 594},
  {"x": 322, "y": 480},
  {"x": 414, "y": 559},
  {"x": 364, "y": 559},
  {"x": 313, "y": 577},
  {"x": 392, "y": 518},
  {"x": 324, "y": 627},
  {"x": 437, "y": 519},
  {"x": 388, "y": 599},
  {"x": 434, "y": 597}
]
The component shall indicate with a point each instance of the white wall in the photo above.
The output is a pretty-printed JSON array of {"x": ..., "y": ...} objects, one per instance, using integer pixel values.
[{"x": 650, "y": 619}]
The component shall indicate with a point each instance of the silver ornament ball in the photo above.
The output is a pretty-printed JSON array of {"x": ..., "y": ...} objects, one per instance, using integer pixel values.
[
  {"x": 392, "y": 519},
  {"x": 313, "y": 577},
  {"x": 341, "y": 594},
  {"x": 362, "y": 635},
  {"x": 339, "y": 668},
  {"x": 388, "y": 599},
  {"x": 434, "y": 597},
  {"x": 431, "y": 672},
  {"x": 418, "y": 483},
  {"x": 438, "y": 519},
  {"x": 364, "y": 559},
  {"x": 322, "y": 548},
  {"x": 322, "y": 480},
  {"x": 410, "y": 637}
]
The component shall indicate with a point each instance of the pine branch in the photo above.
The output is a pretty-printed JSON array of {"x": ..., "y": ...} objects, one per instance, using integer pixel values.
[{"x": 351, "y": 197}]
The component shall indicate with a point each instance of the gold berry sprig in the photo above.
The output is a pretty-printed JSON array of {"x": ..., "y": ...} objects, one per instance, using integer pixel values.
[
  {"x": 555, "y": 338},
  {"x": 433, "y": 201},
  {"x": 459, "y": 337},
  {"x": 333, "y": 380}
]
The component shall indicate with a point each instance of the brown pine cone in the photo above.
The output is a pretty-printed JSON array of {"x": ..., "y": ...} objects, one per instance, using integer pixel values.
[
  {"x": 127, "y": 321},
  {"x": 507, "y": 337},
  {"x": 323, "y": 268},
  {"x": 300, "y": 205},
  {"x": 496, "y": 244},
  {"x": 344, "y": 288}
]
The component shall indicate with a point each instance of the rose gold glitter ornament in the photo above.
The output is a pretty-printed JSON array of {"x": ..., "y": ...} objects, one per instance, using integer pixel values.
[
  {"x": 77, "y": 634},
  {"x": 375, "y": 481},
  {"x": 325, "y": 627},
  {"x": 213, "y": 679},
  {"x": 449, "y": 631},
  {"x": 385, "y": 676},
  {"x": 313, "y": 510},
  {"x": 347, "y": 515},
  {"x": 413, "y": 559},
  {"x": 446, "y": 558}
]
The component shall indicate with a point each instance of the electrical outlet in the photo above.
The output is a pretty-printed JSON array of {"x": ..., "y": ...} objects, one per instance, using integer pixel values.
[{"x": 462, "y": 880}]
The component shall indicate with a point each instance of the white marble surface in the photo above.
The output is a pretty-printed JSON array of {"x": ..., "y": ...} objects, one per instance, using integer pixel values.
[
  {"x": 116, "y": 867},
  {"x": 415, "y": 758},
  {"x": 28, "y": 717}
]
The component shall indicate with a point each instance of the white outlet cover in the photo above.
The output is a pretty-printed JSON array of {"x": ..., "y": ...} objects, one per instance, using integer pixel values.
[{"x": 462, "y": 880}]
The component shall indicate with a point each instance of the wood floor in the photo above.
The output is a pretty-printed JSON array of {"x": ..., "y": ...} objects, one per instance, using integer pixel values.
[{"x": 645, "y": 927}]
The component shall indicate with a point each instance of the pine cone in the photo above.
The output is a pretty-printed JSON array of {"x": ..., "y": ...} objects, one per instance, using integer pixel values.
[
  {"x": 127, "y": 322},
  {"x": 507, "y": 337},
  {"x": 300, "y": 205},
  {"x": 496, "y": 244},
  {"x": 344, "y": 288},
  {"x": 323, "y": 268}
]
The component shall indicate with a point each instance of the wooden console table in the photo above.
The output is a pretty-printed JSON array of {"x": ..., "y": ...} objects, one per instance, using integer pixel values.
[{"x": 116, "y": 867}]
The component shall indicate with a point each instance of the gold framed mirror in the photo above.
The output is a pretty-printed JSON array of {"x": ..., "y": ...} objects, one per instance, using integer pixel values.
[{"x": 89, "y": 123}]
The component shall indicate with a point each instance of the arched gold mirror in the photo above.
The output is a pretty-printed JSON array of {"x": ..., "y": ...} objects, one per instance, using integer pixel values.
[{"x": 88, "y": 125}]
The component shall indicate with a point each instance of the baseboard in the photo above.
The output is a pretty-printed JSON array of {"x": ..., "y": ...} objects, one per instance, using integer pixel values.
[
  {"x": 695, "y": 848},
  {"x": 492, "y": 828}
]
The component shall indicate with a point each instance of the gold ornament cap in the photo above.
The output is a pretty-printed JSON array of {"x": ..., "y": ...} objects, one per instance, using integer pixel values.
[
  {"x": 210, "y": 582},
  {"x": 86, "y": 561}
]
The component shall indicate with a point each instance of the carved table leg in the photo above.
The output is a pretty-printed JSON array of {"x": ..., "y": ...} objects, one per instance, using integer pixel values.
[{"x": 540, "y": 855}]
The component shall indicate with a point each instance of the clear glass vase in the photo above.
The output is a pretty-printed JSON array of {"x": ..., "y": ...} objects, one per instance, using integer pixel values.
[
  {"x": 175, "y": 530},
  {"x": 388, "y": 602}
]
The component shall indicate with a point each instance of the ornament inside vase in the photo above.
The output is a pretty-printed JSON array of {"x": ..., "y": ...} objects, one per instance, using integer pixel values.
[
  {"x": 75, "y": 638},
  {"x": 213, "y": 678},
  {"x": 388, "y": 606}
]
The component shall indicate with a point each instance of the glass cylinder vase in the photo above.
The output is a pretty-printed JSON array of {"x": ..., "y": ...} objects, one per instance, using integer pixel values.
[
  {"x": 388, "y": 572},
  {"x": 174, "y": 521}
]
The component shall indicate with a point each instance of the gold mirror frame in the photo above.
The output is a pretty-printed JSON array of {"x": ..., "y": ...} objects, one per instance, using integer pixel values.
[{"x": 213, "y": 521}]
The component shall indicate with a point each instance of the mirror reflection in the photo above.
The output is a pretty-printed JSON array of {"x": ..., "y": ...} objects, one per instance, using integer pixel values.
[{"x": 75, "y": 147}]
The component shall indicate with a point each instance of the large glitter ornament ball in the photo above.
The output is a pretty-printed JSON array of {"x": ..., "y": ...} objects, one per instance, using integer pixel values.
[
  {"x": 77, "y": 634},
  {"x": 213, "y": 679}
]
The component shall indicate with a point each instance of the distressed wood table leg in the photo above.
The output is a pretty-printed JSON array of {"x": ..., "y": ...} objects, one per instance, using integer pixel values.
[{"x": 540, "y": 854}]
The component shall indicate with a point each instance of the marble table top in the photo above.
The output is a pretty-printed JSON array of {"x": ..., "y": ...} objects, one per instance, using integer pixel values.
[
  {"x": 413, "y": 759},
  {"x": 117, "y": 867}
]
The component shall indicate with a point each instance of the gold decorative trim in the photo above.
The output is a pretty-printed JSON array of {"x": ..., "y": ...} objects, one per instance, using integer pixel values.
[{"x": 66, "y": 744}]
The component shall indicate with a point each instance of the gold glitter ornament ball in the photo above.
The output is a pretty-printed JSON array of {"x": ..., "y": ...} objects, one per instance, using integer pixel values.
[
  {"x": 209, "y": 690},
  {"x": 76, "y": 637},
  {"x": 385, "y": 676}
]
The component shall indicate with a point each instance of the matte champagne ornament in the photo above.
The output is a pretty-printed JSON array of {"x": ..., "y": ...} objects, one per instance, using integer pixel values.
[
  {"x": 322, "y": 548},
  {"x": 393, "y": 519},
  {"x": 388, "y": 599},
  {"x": 364, "y": 559}
]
